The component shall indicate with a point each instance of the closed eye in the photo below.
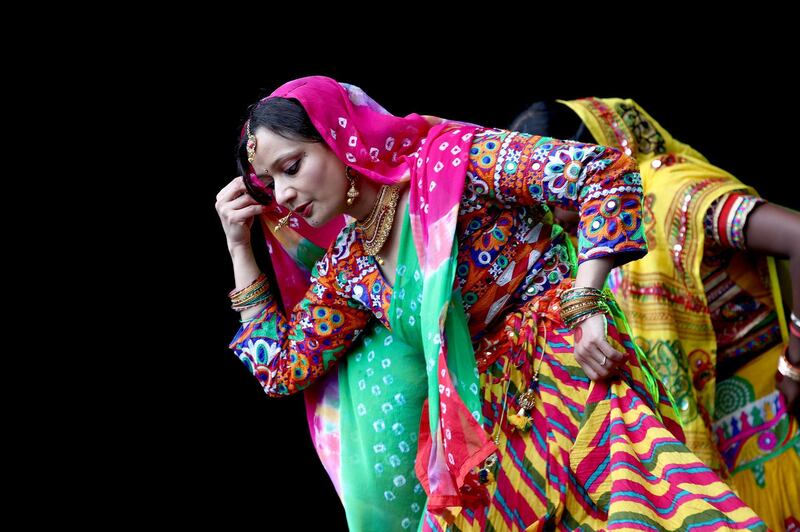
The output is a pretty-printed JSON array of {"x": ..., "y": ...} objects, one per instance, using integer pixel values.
[{"x": 292, "y": 170}]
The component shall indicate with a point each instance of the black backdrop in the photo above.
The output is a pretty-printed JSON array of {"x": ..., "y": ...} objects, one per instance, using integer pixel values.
[{"x": 220, "y": 450}]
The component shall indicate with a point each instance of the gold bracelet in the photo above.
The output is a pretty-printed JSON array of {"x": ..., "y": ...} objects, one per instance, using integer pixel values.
[
  {"x": 569, "y": 316},
  {"x": 581, "y": 303},
  {"x": 235, "y": 293},
  {"x": 253, "y": 305},
  {"x": 582, "y": 289},
  {"x": 574, "y": 300},
  {"x": 249, "y": 296},
  {"x": 577, "y": 309},
  {"x": 581, "y": 292},
  {"x": 248, "y": 291}
]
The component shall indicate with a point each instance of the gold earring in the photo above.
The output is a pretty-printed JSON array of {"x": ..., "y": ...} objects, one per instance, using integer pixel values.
[
  {"x": 283, "y": 221},
  {"x": 352, "y": 193}
]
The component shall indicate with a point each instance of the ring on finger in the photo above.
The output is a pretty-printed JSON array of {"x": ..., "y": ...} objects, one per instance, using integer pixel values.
[{"x": 603, "y": 363}]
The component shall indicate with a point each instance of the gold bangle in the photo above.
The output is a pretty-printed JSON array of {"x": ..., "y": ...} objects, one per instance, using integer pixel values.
[
  {"x": 581, "y": 299},
  {"x": 583, "y": 289},
  {"x": 577, "y": 309},
  {"x": 567, "y": 318},
  {"x": 236, "y": 293},
  {"x": 244, "y": 298},
  {"x": 582, "y": 303},
  {"x": 587, "y": 316},
  {"x": 256, "y": 285},
  {"x": 253, "y": 304},
  {"x": 576, "y": 312},
  {"x": 571, "y": 324}
]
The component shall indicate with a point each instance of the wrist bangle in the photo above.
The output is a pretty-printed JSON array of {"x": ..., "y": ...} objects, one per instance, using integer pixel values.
[
  {"x": 255, "y": 284},
  {"x": 786, "y": 368},
  {"x": 794, "y": 330}
]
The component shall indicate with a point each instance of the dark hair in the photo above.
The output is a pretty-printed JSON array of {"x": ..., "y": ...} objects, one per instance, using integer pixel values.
[
  {"x": 552, "y": 119},
  {"x": 284, "y": 117}
]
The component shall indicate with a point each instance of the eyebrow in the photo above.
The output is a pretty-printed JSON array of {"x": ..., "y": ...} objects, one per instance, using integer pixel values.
[{"x": 277, "y": 161}]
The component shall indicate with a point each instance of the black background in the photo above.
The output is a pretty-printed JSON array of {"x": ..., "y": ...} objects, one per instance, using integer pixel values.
[{"x": 215, "y": 447}]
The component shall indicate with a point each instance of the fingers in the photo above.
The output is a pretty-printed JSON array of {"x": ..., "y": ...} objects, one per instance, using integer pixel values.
[
  {"x": 232, "y": 190},
  {"x": 590, "y": 358},
  {"x": 593, "y": 369},
  {"x": 235, "y": 205},
  {"x": 234, "y": 196},
  {"x": 613, "y": 357},
  {"x": 598, "y": 359},
  {"x": 593, "y": 352},
  {"x": 240, "y": 202},
  {"x": 243, "y": 215}
]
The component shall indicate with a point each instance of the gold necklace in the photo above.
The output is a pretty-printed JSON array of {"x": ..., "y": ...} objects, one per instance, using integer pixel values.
[{"x": 377, "y": 226}]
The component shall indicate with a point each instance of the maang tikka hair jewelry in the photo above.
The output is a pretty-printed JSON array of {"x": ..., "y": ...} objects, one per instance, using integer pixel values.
[
  {"x": 352, "y": 193},
  {"x": 251, "y": 144},
  {"x": 251, "y": 156}
]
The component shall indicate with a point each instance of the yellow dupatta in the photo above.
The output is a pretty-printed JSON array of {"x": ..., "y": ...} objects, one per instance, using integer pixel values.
[{"x": 662, "y": 294}]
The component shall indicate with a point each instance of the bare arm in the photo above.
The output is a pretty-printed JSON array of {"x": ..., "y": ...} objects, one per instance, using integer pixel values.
[{"x": 775, "y": 230}]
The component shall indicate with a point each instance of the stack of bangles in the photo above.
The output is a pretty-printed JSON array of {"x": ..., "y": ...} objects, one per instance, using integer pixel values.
[
  {"x": 786, "y": 368},
  {"x": 579, "y": 303},
  {"x": 250, "y": 296}
]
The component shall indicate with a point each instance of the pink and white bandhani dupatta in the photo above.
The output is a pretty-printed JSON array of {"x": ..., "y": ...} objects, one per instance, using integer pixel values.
[{"x": 431, "y": 154}]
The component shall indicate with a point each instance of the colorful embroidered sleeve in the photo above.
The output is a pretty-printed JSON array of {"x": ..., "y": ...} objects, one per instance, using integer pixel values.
[
  {"x": 287, "y": 355},
  {"x": 601, "y": 183},
  {"x": 726, "y": 219}
]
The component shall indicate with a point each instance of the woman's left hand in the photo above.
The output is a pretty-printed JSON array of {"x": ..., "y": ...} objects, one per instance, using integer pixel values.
[{"x": 592, "y": 350}]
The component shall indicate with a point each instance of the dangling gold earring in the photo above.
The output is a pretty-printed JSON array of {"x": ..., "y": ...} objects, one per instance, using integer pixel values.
[
  {"x": 283, "y": 221},
  {"x": 352, "y": 193}
]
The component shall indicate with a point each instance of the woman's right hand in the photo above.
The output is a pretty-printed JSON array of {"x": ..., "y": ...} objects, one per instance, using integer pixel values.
[
  {"x": 593, "y": 352},
  {"x": 237, "y": 210}
]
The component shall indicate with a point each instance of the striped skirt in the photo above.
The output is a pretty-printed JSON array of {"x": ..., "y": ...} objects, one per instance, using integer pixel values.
[{"x": 594, "y": 456}]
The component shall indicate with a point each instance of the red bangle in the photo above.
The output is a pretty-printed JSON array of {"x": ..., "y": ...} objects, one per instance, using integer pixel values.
[{"x": 794, "y": 330}]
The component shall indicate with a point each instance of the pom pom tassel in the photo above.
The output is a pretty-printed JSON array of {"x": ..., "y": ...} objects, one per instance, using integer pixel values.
[{"x": 521, "y": 420}]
